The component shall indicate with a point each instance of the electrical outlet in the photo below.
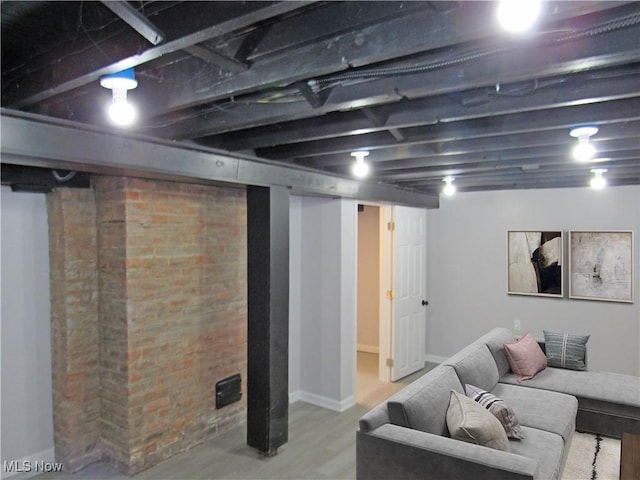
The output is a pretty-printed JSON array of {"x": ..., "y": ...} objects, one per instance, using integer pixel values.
[{"x": 517, "y": 325}]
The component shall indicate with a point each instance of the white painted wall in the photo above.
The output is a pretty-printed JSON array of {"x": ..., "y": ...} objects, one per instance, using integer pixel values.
[
  {"x": 27, "y": 414},
  {"x": 327, "y": 291},
  {"x": 466, "y": 256},
  {"x": 295, "y": 252}
]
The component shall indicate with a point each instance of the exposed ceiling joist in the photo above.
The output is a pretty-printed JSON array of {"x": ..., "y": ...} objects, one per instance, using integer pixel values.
[
  {"x": 135, "y": 20},
  {"x": 158, "y": 51}
]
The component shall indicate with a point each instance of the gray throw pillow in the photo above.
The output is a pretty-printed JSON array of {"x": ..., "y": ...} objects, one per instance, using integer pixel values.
[
  {"x": 565, "y": 351},
  {"x": 498, "y": 408},
  {"x": 469, "y": 422}
]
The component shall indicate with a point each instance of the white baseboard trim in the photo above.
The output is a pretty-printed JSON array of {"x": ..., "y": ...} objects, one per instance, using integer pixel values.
[
  {"x": 368, "y": 348},
  {"x": 294, "y": 396},
  {"x": 31, "y": 465},
  {"x": 324, "y": 402},
  {"x": 434, "y": 358}
]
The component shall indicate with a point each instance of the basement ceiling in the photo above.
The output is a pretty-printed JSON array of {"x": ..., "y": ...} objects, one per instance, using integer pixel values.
[{"x": 430, "y": 89}]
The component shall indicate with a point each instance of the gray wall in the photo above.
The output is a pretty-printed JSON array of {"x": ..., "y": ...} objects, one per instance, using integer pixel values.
[
  {"x": 27, "y": 414},
  {"x": 325, "y": 319},
  {"x": 467, "y": 271},
  {"x": 295, "y": 252}
]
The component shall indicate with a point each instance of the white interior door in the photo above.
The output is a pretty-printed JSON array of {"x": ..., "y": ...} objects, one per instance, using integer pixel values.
[{"x": 410, "y": 273}]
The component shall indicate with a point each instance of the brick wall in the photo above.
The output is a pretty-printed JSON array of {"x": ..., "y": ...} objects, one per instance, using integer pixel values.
[
  {"x": 172, "y": 321},
  {"x": 74, "y": 326}
]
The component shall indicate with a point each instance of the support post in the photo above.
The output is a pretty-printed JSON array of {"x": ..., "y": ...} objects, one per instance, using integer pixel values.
[{"x": 268, "y": 316}]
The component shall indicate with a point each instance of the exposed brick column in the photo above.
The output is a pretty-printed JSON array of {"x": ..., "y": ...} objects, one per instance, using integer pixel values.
[
  {"x": 114, "y": 328},
  {"x": 186, "y": 311},
  {"x": 74, "y": 332},
  {"x": 149, "y": 281}
]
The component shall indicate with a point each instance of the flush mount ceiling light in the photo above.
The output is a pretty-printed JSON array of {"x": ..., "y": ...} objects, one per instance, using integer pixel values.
[
  {"x": 360, "y": 168},
  {"x": 584, "y": 150},
  {"x": 121, "y": 112},
  {"x": 449, "y": 188},
  {"x": 598, "y": 181},
  {"x": 518, "y": 16}
]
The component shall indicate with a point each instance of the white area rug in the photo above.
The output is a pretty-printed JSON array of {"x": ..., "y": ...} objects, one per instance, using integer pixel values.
[{"x": 592, "y": 457}]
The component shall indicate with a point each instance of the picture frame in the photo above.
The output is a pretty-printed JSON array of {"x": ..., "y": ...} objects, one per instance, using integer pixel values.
[
  {"x": 601, "y": 265},
  {"x": 534, "y": 263}
]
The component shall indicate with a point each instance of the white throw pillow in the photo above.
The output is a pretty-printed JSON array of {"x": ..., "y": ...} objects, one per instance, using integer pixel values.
[{"x": 470, "y": 422}]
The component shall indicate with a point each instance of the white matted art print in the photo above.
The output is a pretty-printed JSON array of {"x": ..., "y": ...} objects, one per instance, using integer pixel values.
[
  {"x": 534, "y": 262},
  {"x": 601, "y": 265}
]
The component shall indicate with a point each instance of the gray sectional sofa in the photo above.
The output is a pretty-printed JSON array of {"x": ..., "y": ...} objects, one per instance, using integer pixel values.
[{"x": 407, "y": 437}]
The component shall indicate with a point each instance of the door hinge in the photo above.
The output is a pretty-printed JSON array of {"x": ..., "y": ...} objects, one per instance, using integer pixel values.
[
  {"x": 390, "y": 362},
  {"x": 391, "y": 226},
  {"x": 391, "y": 294}
]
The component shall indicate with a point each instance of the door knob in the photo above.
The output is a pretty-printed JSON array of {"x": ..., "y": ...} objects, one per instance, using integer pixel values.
[{"x": 424, "y": 303}]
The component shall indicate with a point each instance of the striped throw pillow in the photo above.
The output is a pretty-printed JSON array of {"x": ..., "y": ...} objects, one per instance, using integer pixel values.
[
  {"x": 498, "y": 408},
  {"x": 566, "y": 351}
]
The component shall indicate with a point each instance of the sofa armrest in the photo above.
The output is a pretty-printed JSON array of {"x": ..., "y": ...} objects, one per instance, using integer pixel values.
[{"x": 392, "y": 451}]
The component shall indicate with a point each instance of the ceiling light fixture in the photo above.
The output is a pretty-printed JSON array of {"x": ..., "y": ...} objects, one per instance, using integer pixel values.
[
  {"x": 584, "y": 150},
  {"x": 449, "y": 188},
  {"x": 518, "y": 16},
  {"x": 598, "y": 181},
  {"x": 121, "y": 112},
  {"x": 360, "y": 168}
]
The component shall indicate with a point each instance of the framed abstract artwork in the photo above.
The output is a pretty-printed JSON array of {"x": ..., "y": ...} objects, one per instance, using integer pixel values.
[
  {"x": 601, "y": 265},
  {"x": 534, "y": 262}
]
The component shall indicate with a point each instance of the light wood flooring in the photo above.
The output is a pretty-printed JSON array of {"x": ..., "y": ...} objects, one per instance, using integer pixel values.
[{"x": 321, "y": 446}]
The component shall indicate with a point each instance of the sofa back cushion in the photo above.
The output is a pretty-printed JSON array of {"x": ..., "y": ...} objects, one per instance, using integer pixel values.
[
  {"x": 475, "y": 366},
  {"x": 495, "y": 340},
  {"x": 423, "y": 404}
]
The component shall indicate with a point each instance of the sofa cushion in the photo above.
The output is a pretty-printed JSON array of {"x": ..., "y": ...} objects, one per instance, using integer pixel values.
[
  {"x": 495, "y": 341},
  {"x": 423, "y": 404},
  {"x": 470, "y": 422},
  {"x": 565, "y": 351},
  {"x": 550, "y": 411},
  {"x": 602, "y": 386},
  {"x": 525, "y": 356},
  {"x": 547, "y": 448},
  {"x": 498, "y": 408},
  {"x": 475, "y": 365}
]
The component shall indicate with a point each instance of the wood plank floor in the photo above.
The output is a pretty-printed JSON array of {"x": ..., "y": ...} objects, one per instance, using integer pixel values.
[{"x": 321, "y": 446}]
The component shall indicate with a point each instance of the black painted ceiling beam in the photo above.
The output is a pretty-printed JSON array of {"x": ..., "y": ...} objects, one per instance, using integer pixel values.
[
  {"x": 617, "y": 111},
  {"x": 31, "y": 94},
  {"x": 529, "y": 165},
  {"x": 70, "y": 146},
  {"x": 477, "y": 103},
  {"x": 528, "y": 63},
  {"x": 531, "y": 155},
  {"x": 560, "y": 137},
  {"x": 135, "y": 20}
]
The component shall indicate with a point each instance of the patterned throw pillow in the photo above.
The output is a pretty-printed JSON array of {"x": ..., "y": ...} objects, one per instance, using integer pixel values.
[
  {"x": 498, "y": 408},
  {"x": 566, "y": 351}
]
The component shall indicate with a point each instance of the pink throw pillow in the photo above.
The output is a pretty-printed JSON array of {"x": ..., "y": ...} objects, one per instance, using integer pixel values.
[{"x": 525, "y": 356}]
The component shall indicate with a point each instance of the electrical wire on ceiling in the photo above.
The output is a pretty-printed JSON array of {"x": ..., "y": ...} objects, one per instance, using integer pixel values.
[
  {"x": 546, "y": 37},
  {"x": 291, "y": 94}
]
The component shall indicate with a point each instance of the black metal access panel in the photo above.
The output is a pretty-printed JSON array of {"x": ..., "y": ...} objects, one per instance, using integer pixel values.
[{"x": 268, "y": 316}]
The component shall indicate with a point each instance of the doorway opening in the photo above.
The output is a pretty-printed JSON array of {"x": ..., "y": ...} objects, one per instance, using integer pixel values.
[
  {"x": 391, "y": 284},
  {"x": 373, "y": 374}
]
